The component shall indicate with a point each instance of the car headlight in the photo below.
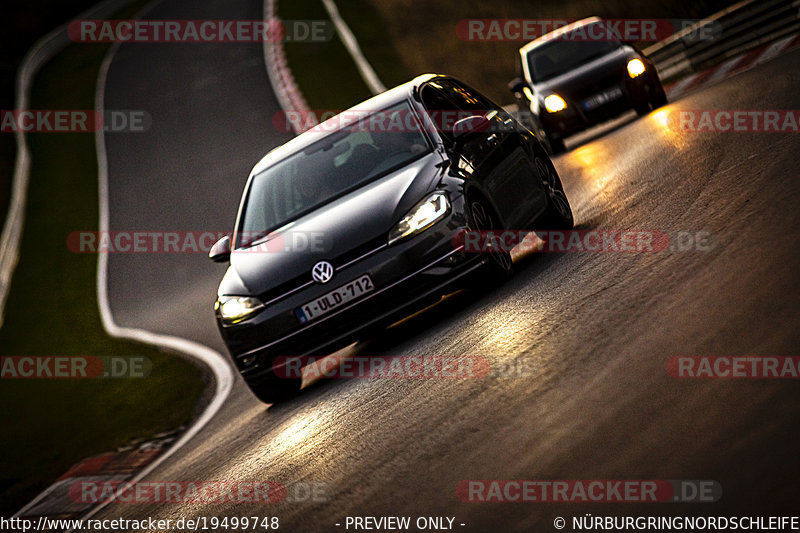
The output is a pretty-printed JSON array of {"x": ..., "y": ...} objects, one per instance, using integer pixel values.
[
  {"x": 635, "y": 67},
  {"x": 234, "y": 309},
  {"x": 554, "y": 103},
  {"x": 421, "y": 217}
]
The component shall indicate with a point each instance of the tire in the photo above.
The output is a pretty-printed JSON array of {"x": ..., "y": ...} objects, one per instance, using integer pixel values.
[
  {"x": 556, "y": 146},
  {"x": 274, "y": 389},
  {"x": 660, "y": 100},
  {"x": 642, "y": 109},
  {"x": 559, "y": 212},
  {"x": 481, "y": 217}
]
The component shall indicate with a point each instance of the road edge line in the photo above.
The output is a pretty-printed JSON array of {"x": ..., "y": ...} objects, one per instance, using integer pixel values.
[
  {"x": 223, "y": 375},
  {"x": 9, "y": 246}
]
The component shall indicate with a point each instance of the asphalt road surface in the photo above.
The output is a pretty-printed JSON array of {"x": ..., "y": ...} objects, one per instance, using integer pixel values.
[{"x": 592, "y": 332}]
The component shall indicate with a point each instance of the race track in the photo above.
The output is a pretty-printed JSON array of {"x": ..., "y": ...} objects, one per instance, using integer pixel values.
[{"x": 592, "y": 331}]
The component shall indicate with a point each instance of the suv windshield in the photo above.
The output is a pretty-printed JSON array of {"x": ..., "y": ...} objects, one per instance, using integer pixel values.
[
  {"x": 566, "y": 52},
  {"x": 355, "y": 154}
]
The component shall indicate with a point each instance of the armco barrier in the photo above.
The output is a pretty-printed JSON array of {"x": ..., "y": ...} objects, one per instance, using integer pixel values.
[{"x": 738, "y": 29}]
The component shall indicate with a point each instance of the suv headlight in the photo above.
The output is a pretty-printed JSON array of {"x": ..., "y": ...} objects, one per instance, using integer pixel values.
[
  {"x": 635, "y": 67},
  {"x": 234, "y": 309},
  {"x": 421, "y": 217},
  {"x": 554, "y": 103}
]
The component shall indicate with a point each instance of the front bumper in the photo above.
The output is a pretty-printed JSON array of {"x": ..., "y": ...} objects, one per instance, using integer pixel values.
[
  {"x": 408, "y": 276},
  {"x": 575, "y": 118}
]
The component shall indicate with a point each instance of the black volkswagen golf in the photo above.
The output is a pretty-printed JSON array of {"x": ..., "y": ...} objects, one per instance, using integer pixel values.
[
  {"x": 581, "y": 75},
  {"x": 354, "y": 224}
]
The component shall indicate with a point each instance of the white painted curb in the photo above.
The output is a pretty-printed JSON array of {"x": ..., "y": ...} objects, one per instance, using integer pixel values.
[
  {"x": 42, "y": 52},
  {"x": 223, "y": 374},
  {"x": 289, "y": 96}
]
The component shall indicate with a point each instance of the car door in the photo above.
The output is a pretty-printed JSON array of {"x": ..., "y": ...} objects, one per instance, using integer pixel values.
[{"x": 504, "y": 165}]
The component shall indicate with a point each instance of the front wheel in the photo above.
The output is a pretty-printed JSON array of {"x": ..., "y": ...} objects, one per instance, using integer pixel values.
[
  {"x": 642, "y": 108},
  {"x": 275, "y": 389},
  {"x": 660, "y": 100},
  {"x": 559, "y": 213},
  {"x": 481, "y": 218}
]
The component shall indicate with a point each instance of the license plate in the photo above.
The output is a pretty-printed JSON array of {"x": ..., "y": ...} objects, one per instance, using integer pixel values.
[
  {"x": 336, "y": 298},
  {"x": 601, "y": 98}
]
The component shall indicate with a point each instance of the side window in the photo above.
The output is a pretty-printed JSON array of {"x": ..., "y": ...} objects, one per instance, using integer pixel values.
[
  {"x": 465, "y": 98},
  {"x": 470, "y": 100},
  {"x": 447, "y": 101},
  {"x": 440, "y": 109}
]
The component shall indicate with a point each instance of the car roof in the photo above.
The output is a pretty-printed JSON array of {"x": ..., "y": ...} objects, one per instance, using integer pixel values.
[
  {"x": 376, "y": 103},
  {"x": 559, "y": 31}
]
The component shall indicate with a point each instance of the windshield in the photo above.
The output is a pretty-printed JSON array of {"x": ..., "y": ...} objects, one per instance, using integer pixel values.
[
  {"x": 341, "y": 162},
  {"x": 565, "y": 53}
]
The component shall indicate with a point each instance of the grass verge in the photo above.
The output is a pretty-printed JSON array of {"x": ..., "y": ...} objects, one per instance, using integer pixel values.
[
  {"x": 324, "y": 71},
  {"x": 26, "y": 22},
  {"x": 48, "y": 425}
]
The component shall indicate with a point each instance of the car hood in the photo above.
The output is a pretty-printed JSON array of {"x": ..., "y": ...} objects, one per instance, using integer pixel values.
[
  {"x": 590, "y": 77},
  {"x": 345, "y": 225}
]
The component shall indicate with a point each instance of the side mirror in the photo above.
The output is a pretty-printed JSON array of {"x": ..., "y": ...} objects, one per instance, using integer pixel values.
[
  {"x": 516, "y": 86},
  {"x": 469, "y": 127},
  {"x": 221, "y": 251}
]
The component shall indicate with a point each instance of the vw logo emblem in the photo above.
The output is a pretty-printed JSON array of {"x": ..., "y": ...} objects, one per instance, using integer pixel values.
[{"x": 322, "y": 272}]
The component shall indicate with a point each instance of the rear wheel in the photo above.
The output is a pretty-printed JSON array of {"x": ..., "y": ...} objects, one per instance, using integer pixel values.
[
  {"x": 559, "y": 213},
  {"x": 481, "y": 217},
  {"x": 274, "y": 389}
]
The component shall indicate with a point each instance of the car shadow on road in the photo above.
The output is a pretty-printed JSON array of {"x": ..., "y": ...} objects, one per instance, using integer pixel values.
[{"x": 388, "y": 343}]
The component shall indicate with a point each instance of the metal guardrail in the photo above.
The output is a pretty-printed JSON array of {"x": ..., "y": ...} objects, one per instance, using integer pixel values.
[{"x": 730, "y": 32}]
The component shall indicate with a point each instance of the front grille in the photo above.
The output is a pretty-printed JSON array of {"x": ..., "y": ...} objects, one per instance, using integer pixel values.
[
  {"x": 301, "y": 280},
  {"x": 341, "y": 329},
  {"x": 596, "y": 86}
]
